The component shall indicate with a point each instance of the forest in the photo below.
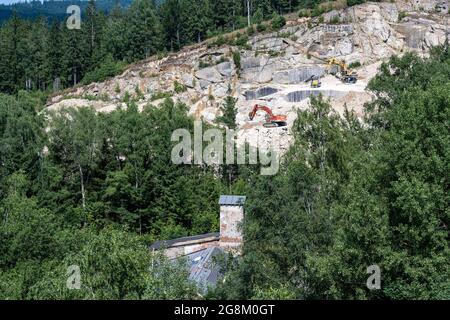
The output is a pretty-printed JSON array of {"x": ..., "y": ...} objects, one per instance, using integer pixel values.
[
  {"x": 41, "y": 53},
  {"x": 94, "y": 190},
  {"x": 53, "y": 9}
]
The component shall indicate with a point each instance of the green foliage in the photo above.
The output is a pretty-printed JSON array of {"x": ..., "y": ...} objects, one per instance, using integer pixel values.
[
  {"x": 250, "y": 31},
  {"x": 354, "y": 2},
  {"x": 354, "y": 65},
  {"x": 350, "y": 195},
  {"x": 92, "y": 189},
  {"x": 303, "y": 13},
  {"x": 109, "y": 68},
  {"x": 41, "y": 56},
  {"x": 261, "y": 27},
  {"x": 401, "y": 15},
  {"x": 139, "y": 93},
  {"x": 229, "y": 112},
  {"x": 241, "y": 41},
  {"x": 317, "y": 11},
  {"x": 258, "y": 17},
  {"x": 237, "y": 60},
  {"x": 126, "y": 97},
  {"x": 179, "y": 87},
  {"x": 117, "y": 88},
  {"x": 278, "y": 22},
  {"x": 160, "y": 95}
]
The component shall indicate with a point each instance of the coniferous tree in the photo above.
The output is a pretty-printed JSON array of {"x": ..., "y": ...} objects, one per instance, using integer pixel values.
[{"x": 143, "y": 31}]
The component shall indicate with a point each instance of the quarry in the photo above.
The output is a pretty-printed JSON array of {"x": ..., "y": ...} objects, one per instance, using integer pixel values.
[{"x": 274, "y": 68}]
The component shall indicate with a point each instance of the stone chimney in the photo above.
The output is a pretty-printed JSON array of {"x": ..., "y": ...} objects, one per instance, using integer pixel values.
[{"x": 231, "y": 219}]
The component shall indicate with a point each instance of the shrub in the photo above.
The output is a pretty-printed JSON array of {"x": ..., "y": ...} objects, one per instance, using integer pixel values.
[
  {"x": 354, "y": 2},
  {"x": 335, "y": 20},
  {"x": 220, "y": 41},
  {"x": 108, "y": 69},
  {"x": 401, "y": 15},
  {"x": 237, "y": 60},
  {"x": 202, "y": 64},
  {"x": 138, "y": 92},
  {"x": 261, "y": 27},
  {"x": 241, "y": 40},
  {"x": 179, "y": 87},
  {"x": 250, "y": 31},
  {"x": 162, "y": 54},
  {"x": 317, "y": 11},
  {"x": 355, "y": 64},
  {"x": 160, "y": 95},
  {"x": 126, "y": 97},
  {"x": 278, "y": 22},
  {"x": 303, "y": 13}
]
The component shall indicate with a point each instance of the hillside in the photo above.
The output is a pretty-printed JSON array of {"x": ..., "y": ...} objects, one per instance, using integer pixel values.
[
  {"x": 274, "y": 66},
  {"x": 99, "y": 194}
]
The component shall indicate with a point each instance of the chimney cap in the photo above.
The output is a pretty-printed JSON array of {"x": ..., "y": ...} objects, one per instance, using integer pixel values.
[{"x": 230, "y": 200}]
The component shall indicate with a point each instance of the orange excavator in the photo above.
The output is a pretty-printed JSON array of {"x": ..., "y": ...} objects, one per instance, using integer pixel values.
[{"x": 272, "y": 121}]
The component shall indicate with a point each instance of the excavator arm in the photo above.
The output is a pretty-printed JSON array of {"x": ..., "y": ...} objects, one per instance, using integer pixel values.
[{"x": 256, "y": 108}]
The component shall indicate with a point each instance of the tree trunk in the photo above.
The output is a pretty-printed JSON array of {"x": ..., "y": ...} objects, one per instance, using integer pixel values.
[
  {"x": 83, "y": 191},
  {"x": 248, "y": 12}
]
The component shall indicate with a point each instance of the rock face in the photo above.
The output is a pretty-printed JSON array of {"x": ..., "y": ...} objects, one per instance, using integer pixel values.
[
  {"x": 298, "y": 75},
  {"x": 274, "y": 70}
]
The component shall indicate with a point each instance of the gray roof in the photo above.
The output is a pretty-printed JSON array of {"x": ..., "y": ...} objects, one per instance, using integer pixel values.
[
  {"x": 203, "y": 269},
  {"x": 215, "y": 236},
  {"x": 232, "y": 200}
]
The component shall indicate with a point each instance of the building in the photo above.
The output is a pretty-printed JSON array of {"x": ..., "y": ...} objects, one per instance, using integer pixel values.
[{"x": 201, "y": 251}]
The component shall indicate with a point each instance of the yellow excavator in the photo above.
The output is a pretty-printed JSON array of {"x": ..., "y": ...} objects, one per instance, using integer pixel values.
[{"x": 344, "y": 73}]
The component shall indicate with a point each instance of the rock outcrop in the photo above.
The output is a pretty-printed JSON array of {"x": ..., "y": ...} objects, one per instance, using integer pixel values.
[{"x": 274, "y": 68}]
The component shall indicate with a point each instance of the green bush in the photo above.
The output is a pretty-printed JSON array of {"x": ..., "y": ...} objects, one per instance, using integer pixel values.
[
  {"x": 220, "y": 41},
  {"x": 303, "y": 13},
  {"x": 139, "y": 93},
  {"x": 160, "y": 95},
  {"x": 126, "y": 97},
  {"x": 354, "y": 2},
  {"x": 317, "y": 11},
  {"x": 241, "y": 40},
  {"x": 202, "y": 64},
  {"x": 261, "y": 27},
  {"x": 278, "y": 22},
  {"x": 355, "y": 64},
  {"x": 109, "y": 68},
  {"x": 401, "y": 15},
  {"x": 179, "y": 87}
]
